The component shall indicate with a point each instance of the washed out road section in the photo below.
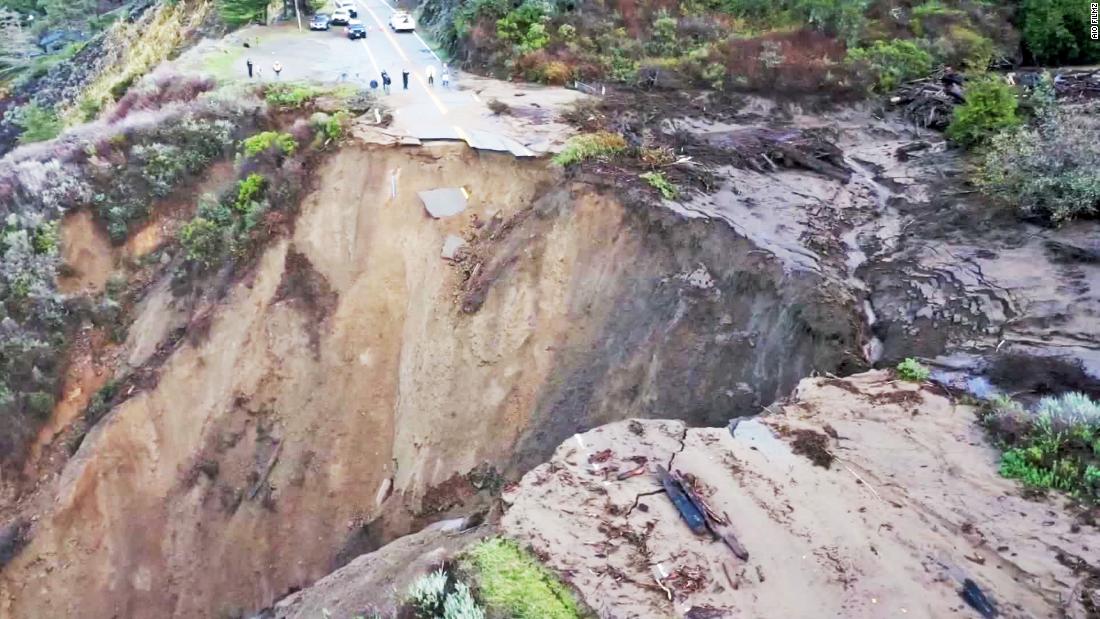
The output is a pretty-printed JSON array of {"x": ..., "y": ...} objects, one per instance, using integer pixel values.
[{"x": 456, "y": 112}]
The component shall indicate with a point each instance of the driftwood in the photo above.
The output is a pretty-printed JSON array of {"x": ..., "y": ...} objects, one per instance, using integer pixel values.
[
  {"x": 1078, "y": 84},
  {"x": 927, "y": 103},
  {"x": 765, "y": 150}
]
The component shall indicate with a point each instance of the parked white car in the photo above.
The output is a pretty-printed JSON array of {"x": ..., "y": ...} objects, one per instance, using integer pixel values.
[
  {"x": 340, "y": 17},
  {"x": 401, "y": 21}
]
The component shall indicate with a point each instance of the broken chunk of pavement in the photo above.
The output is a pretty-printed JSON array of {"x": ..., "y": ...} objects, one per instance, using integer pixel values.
[
  {"x": 451, "y": 245},
  {"x": 444, "y": 202}
]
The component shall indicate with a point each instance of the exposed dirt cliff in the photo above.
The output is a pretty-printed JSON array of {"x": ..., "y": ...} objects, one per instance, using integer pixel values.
[{"x": 356, "y": 386}]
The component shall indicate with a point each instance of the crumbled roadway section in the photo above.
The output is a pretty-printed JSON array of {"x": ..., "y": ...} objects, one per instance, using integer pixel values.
[
  {"x": 911, "y": 506},
  {"x": 459, "y": 112}
]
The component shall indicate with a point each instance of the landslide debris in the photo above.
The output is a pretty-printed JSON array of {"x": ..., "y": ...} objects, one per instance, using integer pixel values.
[{"x": 912, "y": 509}]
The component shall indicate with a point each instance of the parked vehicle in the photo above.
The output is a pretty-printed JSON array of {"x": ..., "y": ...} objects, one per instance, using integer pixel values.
[
  {"x": 402, "y": 21},
  {"x": 356, "y": 30},
  {"x": 340, "y": 17},
  {"x": 348, "y": 6},
  {"x": 320, "y": 21}
]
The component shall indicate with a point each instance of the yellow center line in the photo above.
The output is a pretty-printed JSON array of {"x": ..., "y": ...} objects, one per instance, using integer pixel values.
[
  {"x": 382, "y": 28},
  {"x": 386, "y": 33}
]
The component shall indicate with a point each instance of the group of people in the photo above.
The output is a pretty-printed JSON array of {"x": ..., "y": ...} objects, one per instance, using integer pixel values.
[
  {"x": 429, "y": 72},
  {"x": 387, "y": 82},
  {"x": 276, "y": 67}
]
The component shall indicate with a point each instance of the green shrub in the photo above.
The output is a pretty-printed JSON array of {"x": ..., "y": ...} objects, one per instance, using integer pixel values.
[
  {"x": 1057, "y": 31},
  {"x": 911, "y": 370},
  {"x": 1050, "y": 171},
  {"x": 663, "y": 36},
  {"x": 46, "y": 237},
  {"x": 38, "y": 123},
  {"x": 525, "y": 27},
  {"x": 893, "y": 62},
  {"x": 1056, "y": 446},
  {"x": 249, "y": 192},
  {"x": 332, "y": 126},
  {"x": 426, "y": 594},
  {"x": 460, "y": 604},
  {"x": 430, "y": 599},
  {"x": 40, "y": 404},
  {"x": 990, "y": 108},
  {"x": 241, "y": 12},
  {"x": 286, "y": 95},
  {"x": 261, "y": 142},
  {"x": 962, "y": 46},
  {"x": 204, "y": 241},
  {"x": 590, "y": 146},
  {"x": 512, "y": 583},
  {"x": 660, "y": 182}
]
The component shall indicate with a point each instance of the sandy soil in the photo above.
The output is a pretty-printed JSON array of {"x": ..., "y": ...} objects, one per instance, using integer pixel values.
[
  {"x": 86, "y": 250},
  {"x": 910, "y": 508}
]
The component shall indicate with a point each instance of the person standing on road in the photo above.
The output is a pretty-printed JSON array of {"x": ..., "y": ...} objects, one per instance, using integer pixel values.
[
  {"x": 248, "y": 63},
  {"x": 277, "y": 68},
  {"x": 431, "y": 75},
  {"x": 446, "y": 77},
  {"x": 404, "y": 79},
  {"x": 386, "y": 81}
]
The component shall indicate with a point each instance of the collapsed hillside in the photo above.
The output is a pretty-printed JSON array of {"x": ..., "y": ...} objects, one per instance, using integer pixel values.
[
  {"x": 370, "y": 370},
  {"x": 868, "y": 495},
  {"x": 355, "y": 386}
]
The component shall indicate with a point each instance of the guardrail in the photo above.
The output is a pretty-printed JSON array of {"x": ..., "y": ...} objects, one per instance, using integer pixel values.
[{"x": 590, "y": 89}]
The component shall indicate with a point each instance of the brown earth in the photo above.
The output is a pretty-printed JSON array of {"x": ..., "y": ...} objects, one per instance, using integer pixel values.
[{"x": 294, "y": 435}]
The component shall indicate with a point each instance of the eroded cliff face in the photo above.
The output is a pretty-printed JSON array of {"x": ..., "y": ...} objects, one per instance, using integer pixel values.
[{"x": 354, "y": 386}]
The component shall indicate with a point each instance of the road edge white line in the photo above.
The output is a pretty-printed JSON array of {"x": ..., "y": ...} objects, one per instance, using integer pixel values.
[{"x": 427, "y": 47}]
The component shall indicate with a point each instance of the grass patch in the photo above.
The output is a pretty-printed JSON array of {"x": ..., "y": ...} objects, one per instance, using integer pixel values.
[
  {"x": 911, "y": 370},
  {"x": 512, "y": 583},
  {"x": 39, "y": 124},
  {"x": 290, "y": 95},
  {"x": 601, "y": 144},
  {"x": 1055, "y": 446},
  {"x": 660, "y": 182}
]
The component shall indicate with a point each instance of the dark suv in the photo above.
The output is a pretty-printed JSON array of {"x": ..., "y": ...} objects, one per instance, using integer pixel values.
[
  {"x": 356, "y": 30},
  {"x": 320, "y": 21}
]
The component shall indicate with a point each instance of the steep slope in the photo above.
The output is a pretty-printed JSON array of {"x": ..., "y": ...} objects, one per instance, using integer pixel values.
[{"x": 356, "y": 386}]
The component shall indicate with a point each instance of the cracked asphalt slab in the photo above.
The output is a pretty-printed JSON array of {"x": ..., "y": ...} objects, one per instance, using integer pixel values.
[{"x": 426, "y": 112}]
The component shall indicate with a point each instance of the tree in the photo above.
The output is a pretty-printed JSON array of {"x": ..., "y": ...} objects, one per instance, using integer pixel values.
[
  {"x": 241, "y": 12},
  {"x": 1057, "y": 31}
]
